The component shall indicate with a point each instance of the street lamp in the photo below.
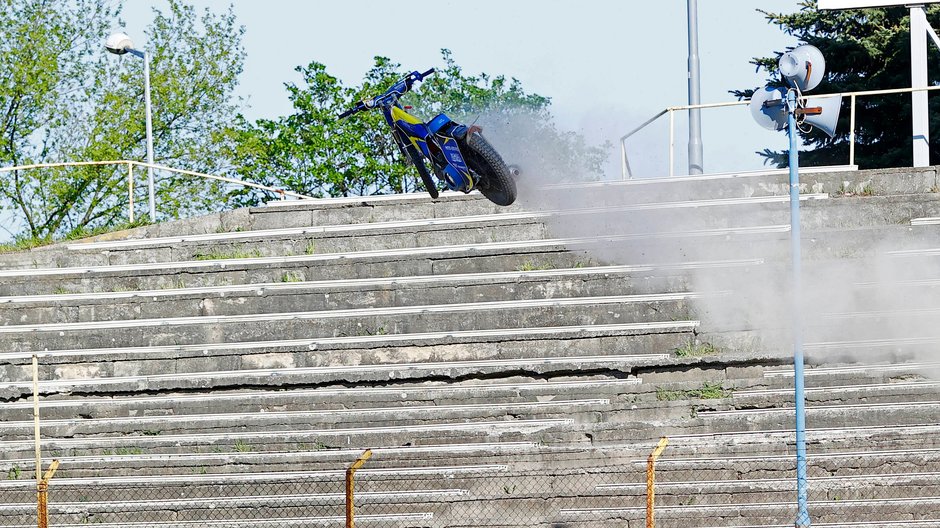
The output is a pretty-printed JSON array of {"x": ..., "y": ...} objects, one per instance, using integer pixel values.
[
  {"x": 119, "y": 44},
  {"x": 785, "y": 109}
]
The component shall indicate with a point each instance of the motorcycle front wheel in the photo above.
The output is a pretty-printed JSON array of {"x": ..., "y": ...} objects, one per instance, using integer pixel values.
[
  {"x": 495, "y": 181},
  {"x": 418, "y": 161}
]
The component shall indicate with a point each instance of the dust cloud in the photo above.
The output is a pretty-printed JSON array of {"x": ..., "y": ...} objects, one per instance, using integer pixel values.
[{"x": 869, "y": 293}]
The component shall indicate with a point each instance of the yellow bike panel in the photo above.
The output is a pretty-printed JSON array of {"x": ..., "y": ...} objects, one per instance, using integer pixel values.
[{"x": 398, "y": 113}]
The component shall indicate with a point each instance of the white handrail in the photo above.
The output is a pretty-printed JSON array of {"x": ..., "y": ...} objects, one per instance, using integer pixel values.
[
  {"x": 130, "y": 177},
  {"x": 626, "y": 173}
]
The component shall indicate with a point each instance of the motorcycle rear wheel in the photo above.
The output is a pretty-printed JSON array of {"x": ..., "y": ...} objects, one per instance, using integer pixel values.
[{"x": 495, "y": 181}]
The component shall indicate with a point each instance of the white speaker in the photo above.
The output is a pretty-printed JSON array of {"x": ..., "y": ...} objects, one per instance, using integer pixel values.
[
  {"x": 768, "y": 107},
  {"x": 804, "y": 67},
  {"x": 823, "y": 113}
]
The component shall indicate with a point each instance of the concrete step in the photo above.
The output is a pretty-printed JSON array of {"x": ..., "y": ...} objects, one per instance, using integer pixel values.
[
  {"x": 353, "y": 293},
  {"x": 434, "y": 260},
  {"x": 778, "y": 490},
  {"x": 874, "y": 393},
  {"x": 351, "y": 322},
  {"x": 462, "y": 229},
  {"x": 919, "y": 411},
  {"x": 319, "y": 418},
  {"x": 458, "y": 432},
  {"x": 678, "y": 463},
  {"x": 887, "y": 511},
  {"x": 311, "y": 457}
]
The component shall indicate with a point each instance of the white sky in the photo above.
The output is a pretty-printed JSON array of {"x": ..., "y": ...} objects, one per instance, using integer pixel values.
[{"x": 608, "y": 65}]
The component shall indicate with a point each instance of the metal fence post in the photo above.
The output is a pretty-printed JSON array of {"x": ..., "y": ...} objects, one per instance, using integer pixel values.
[
  {"x": 130, "y": 192},
  {"x": 852, "y": 130},
  {"x": 350, "y": 473},
  {"x": 651, "y": 481},
  {"x": 42, "y": 498},
  {"x": 672, "y": 143}
]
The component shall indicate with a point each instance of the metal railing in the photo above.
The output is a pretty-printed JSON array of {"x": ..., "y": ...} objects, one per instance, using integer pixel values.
[
  {"x": 626, "y": 173},
  {"x": 130, "y": 178}
]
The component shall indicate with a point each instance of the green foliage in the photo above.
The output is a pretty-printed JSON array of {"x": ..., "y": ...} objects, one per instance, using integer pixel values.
[
  {"x": 233, "y": 254},
  {"x": 290, "y": 276},
  {"x": 696, "y": 349},
  {"x": 242, "y": 447},
  {"x": 65, "y": 99},
  {"x": 708, "y": 391},
  {"x": 865, "y": 49},
  {"x": 313, "y": 152}
]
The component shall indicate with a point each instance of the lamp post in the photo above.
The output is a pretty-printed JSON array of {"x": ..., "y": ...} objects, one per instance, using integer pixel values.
[
  {"x": 119, "y": 44},
  {"x": 695, "y": 114},
  {"x": 785, "y": 109}
]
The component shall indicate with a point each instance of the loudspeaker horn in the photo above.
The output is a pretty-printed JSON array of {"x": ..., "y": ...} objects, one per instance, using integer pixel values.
[
  {"x": 769, "y": 107},
  {"x": 804, "y": 66},
  {"x": 823, "y": 113}
]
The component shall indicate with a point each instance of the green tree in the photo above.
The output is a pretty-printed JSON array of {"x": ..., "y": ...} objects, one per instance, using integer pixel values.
[
  {"x": 313, "y": 152},
  {"x": 66, "y": 99},
  {"x": 865, "y": 49}
]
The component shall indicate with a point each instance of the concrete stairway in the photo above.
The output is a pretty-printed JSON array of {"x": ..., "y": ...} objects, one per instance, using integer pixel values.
[{"x": 510, "y": 367}]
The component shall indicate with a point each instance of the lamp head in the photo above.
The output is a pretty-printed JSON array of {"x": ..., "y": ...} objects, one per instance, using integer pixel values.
[{"x": 119, "y": 43}]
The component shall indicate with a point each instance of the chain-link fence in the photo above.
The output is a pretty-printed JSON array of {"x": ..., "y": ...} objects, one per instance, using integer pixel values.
[{"x": 549, "y": 488}]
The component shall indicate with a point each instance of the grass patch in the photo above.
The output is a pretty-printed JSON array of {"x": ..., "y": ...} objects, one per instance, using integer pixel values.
[
  {"x": 311, "y": 249},
  {"x": 710, "y": 390},
  {"x": 243, "y": 447},
  {"x": 529, "y": 266},
  {"x": 233, "y": 254},
  {"x": 290, "y": 276},
  {"x": 691, "y": 350}
]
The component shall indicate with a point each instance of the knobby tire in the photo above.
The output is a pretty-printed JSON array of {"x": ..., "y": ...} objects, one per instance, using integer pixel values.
[{"x": 495, "y": 181}]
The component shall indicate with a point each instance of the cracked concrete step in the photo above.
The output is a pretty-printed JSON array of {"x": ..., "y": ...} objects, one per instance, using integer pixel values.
[
  {"x": 521, "y": 343},
  {"x": 353, "y": 293},
  {"x": 320, "y": 418},
  {"x": 341, "y": 373},
  {"x": 522, "y": 389},
  {"x": 352, "y": 322}
]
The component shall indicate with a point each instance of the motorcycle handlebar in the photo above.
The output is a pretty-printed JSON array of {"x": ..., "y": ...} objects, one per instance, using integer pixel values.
[{"x": 359, "y": 107}]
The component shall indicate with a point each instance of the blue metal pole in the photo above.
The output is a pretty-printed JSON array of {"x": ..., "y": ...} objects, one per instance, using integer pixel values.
[{"x": 802, "y": 518}]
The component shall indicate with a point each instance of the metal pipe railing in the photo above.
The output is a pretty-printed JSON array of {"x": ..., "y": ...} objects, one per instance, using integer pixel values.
[
  {"x": 130, "y": 177},
  {"x": 626, "y": 173}
]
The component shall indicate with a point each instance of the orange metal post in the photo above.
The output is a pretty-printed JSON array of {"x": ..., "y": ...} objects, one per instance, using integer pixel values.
[
  {"x": 42, "y": 495},
  {"x": 350, "y": 473},
  {"x": 651, "y": 481}
]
